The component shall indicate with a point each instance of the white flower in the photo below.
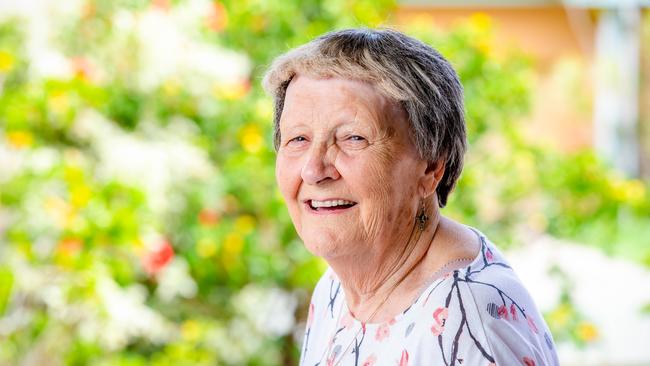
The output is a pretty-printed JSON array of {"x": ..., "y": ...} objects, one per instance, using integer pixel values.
[
  {"x": 271, "y": 310},
  {"x": 153, "y": 158},
  {"x": 175, "y": 280},
  {"x": 128, "y": 317},
  {"x": 169, "y": 51}
]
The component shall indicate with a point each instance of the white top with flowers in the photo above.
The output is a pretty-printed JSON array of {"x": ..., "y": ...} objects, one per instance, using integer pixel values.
[{"x": 478, "y": 315}]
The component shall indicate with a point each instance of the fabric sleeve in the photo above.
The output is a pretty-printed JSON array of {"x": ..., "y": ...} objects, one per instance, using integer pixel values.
[{"x": 512, "y": 327}]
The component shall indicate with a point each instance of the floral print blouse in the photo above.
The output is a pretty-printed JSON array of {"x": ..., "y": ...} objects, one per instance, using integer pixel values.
[{"x": 478, "y": 315}]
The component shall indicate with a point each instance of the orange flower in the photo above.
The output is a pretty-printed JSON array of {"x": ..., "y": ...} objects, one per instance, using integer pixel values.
[
  {"x": 70, "y": 246},
  {"x": 217, "y": 19},
  {"x": 164, "y": 5},
  {"x": 208, "y": 217},
  {"x": 82, "y": 68}
]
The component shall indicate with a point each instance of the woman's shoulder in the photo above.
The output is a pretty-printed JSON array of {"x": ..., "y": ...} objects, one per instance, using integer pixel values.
[
  {"x": 486, "y": 310},
  {"x": 513, "y": 326}
]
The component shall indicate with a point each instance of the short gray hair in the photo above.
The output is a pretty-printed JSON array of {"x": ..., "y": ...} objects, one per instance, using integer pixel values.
[{"x": 403, "y": 69}]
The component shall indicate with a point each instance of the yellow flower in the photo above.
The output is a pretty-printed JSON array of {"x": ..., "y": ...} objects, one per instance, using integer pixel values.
[
  {"x": 6, "y": 61},
  {"x": 191, "y": 330},
  {"x": 245, "y": 224},
  {"x": 251, "y": 139},
  {"x": 264, "y": 109},
  {"x": 634, "y": 190},
  {"x": 59, "y": 102},
  {"x": 560, "y": 317},
  {"x": 171, "y": 88},
  {"x": 233, "y": 245},
  {"x": 60, "y": 211},
  {"x": 231, "y": 90},
  {"x": 481, "y": 21},
  {"x": 587, "y": 332},
  {"x": 80, "y": 195},
  {"x": 20, "y": 139},
  {"x": 206, "y": 247}
]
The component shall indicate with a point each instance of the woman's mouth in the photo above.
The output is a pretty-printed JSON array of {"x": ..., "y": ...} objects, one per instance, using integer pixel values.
[{"x": 329, "y": 205}]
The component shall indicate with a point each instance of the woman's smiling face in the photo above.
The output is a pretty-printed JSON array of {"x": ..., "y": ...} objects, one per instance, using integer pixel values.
[{"x": 346, "y": 167}]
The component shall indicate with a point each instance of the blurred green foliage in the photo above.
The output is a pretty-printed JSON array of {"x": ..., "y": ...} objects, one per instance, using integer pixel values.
[{"x": 139, "y": 220}]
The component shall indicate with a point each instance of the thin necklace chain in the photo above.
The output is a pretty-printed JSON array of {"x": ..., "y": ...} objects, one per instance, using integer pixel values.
[{"x": 429, "y": 281}]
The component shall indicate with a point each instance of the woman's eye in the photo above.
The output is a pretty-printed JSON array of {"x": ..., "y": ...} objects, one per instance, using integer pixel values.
[
  {"x": 298, "y": 139},
  {"x": 356, "y": 138}
]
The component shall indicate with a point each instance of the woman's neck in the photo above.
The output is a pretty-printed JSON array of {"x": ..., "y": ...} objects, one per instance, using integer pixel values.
[{"x": 395, "y": 272}]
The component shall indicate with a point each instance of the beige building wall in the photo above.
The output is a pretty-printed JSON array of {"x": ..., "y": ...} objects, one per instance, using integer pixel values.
[{"x": 561, "y": 42}]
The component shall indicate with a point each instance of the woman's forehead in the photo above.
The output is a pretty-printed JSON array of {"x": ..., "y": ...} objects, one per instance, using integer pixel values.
[{"x": 335, "y": 96}]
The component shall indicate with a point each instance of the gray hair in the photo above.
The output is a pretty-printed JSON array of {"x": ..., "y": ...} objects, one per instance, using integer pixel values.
[{"x": 402, "y": 69}]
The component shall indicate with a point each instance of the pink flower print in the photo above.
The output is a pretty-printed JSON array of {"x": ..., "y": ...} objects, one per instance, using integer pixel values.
[
  {"x": 531, "y": 324},
  {"x": 513, "y": 311},
  {"x": 439, "y": 316},
  {"x": 330, "y": 360},
  {"x": 489, "y": 256},
  {"x": 330, "y": 342},
  {"x": 529, "y": 361},
  {"x": 310, "y": 317},
  {"x": 404, "y": 361},
  {"x": 347, "y": 319},
  {"x": 503, "y": 312},
  {"x": 370, "y": 361},
  {"x": 383, "y": 332}
]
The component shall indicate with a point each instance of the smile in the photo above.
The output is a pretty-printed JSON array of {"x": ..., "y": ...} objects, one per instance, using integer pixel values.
[{"x": 329, "y": 205}]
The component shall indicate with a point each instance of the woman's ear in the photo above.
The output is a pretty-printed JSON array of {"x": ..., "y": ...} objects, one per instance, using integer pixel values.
[{"x": 431, "y": 178}]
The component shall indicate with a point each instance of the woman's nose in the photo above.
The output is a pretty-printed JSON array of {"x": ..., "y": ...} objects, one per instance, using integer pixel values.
[{"x": 319, "y": 166}]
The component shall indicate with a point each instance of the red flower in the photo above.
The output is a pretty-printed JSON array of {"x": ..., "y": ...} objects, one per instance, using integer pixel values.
[
  {"x": 513, "y": 311},
  {"x": 529, "y": 361},
  {"x": 217, "y": 19},
  {"x": 440, "y": 316},
  {"x": 489, "y": 255},
  {"x": 404, "y": 361},
  {"x": 157, "y": 257},
  {"x": 370, "y": 361},
  {"x": 531, "y": 324},
  {"x": 503, "y": 312}
]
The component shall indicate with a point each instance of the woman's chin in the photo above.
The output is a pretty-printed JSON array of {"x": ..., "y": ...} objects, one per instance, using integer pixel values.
[{"x": 325, "y": 249}]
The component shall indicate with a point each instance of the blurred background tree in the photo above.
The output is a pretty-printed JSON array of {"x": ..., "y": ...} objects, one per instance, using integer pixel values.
[{"x": 139, "y": 219}]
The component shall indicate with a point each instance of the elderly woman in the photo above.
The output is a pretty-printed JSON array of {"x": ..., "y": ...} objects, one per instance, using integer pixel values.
[{"x": 370, "y": 139}]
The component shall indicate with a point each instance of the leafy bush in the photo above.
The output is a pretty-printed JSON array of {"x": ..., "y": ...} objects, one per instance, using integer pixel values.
[{"x": 139, "y": 219}]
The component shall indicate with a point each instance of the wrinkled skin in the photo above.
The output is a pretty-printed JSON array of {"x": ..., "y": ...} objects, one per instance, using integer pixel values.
[{"x": 342, "y": 140}]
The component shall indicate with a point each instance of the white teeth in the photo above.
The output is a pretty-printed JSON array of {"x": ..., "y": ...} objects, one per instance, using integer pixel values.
[{"x": 330, "y": 203}]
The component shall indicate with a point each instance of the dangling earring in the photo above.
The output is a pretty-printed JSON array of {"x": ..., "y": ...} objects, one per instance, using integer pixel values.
[{"x": 422, "y": 217}]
